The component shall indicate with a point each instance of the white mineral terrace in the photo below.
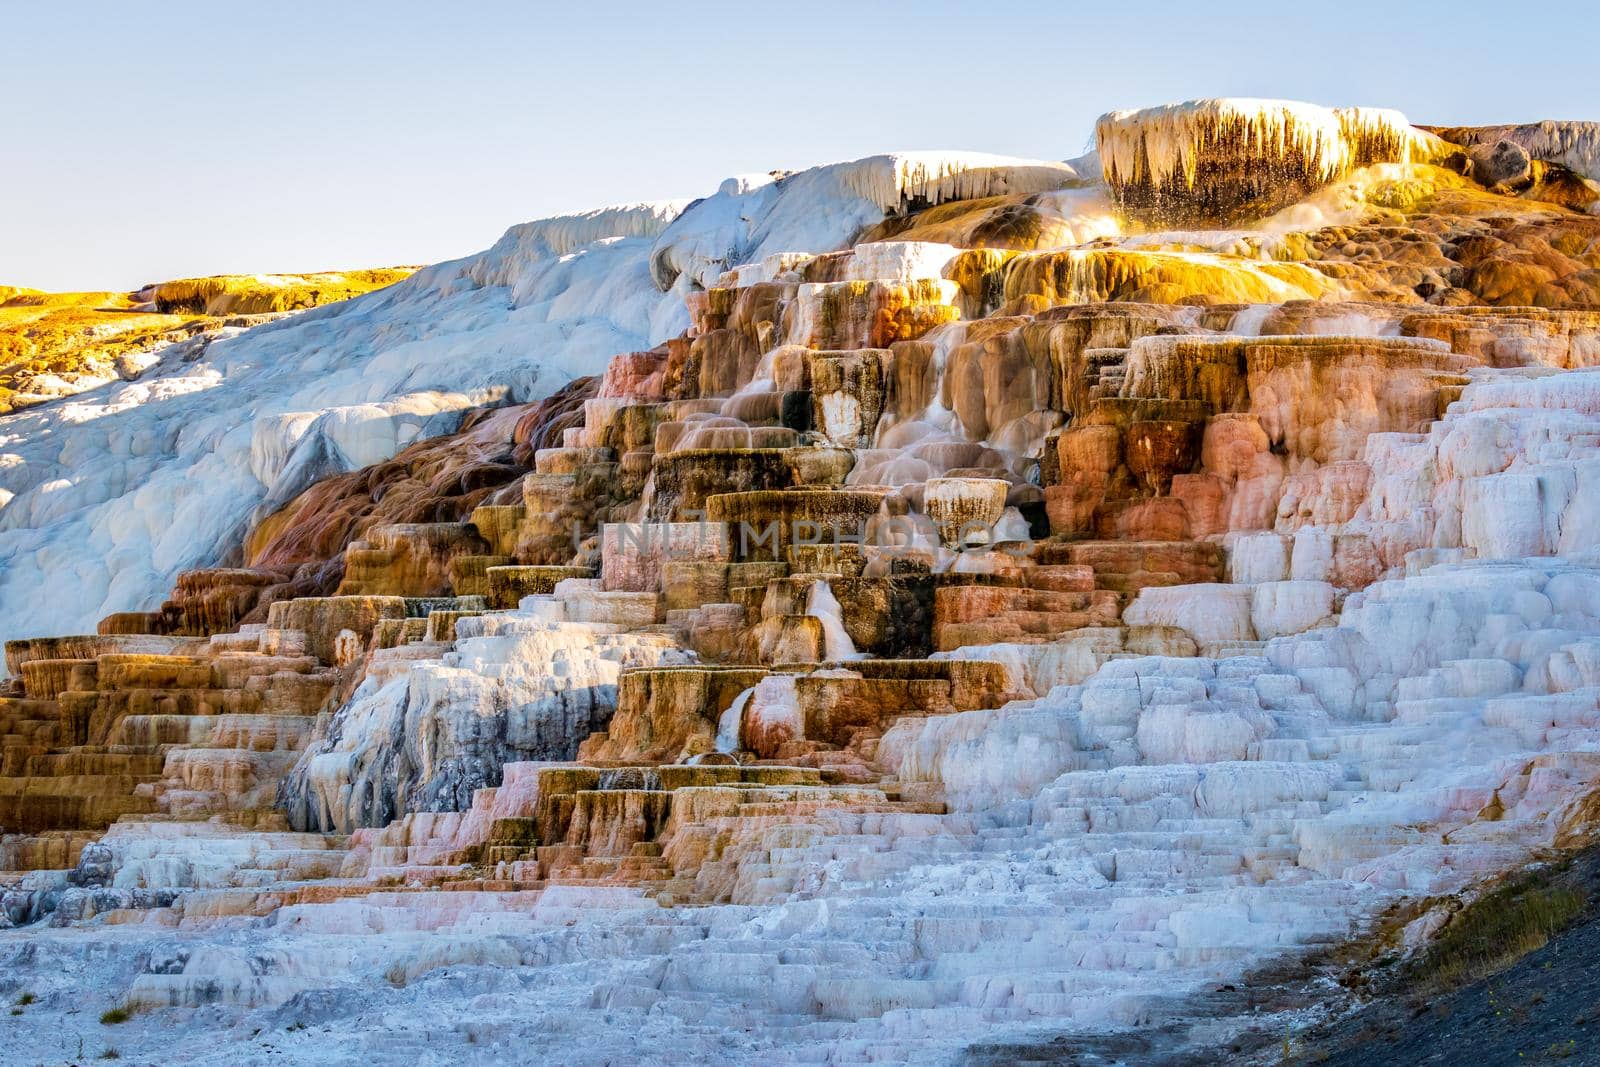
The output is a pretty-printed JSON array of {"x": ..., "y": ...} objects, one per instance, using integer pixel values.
[{"x": 1112, "y": 846}]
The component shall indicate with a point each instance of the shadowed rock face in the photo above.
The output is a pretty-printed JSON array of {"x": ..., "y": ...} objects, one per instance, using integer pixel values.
[
  {"x": 438, "y": 480},
  {"x": 1011, "y": 602},
  {"x": 411, "y": 507},
  {"x": 1573, "y": 145}
]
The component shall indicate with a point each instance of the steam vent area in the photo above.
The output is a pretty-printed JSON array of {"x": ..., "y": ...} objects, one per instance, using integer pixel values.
[{"x": 883, "y": 612}]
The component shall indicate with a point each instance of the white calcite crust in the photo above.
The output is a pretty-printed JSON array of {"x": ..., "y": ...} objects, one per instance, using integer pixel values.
[{"x": 425, "y": 738}]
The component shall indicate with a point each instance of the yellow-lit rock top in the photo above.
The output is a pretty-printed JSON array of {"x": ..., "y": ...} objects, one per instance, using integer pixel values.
[
  {"x": 259, "y": 294},
  {"x": 57, "y": 344}
]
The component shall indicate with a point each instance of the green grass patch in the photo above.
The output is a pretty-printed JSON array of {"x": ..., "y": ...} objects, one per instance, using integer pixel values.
[
  {"x": 115, "y": 1015},
  {"x": 1497, "y": 929}
]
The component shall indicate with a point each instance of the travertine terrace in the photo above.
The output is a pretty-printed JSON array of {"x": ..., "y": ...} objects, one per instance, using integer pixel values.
[{"x": 866, "y": 613}]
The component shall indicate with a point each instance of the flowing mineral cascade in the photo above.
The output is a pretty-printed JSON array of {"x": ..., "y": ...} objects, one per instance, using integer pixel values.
[
  {"x": 823, "y": 606},
  {"x": 935, "y": 608},
  {"x": 729, "y": 725}
]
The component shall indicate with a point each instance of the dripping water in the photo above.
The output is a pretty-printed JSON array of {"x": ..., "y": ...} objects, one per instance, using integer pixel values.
[
  {"x": 732, "y": 719},
  {"x": 824, "y": 606}
]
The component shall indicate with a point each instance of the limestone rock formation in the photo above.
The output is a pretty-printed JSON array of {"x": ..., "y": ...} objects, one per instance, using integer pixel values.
[
  {"x": 1213, "y": 160},
  {"x": 867, "y": 612}
]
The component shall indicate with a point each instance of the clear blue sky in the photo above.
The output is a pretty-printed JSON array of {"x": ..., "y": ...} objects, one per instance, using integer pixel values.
[{"x": 148, "y": 141}]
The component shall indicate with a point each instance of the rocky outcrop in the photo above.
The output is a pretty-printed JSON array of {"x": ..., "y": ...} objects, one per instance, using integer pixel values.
[
  {"x": 1214, "y": 160},
  {"x": 58, "y": 344},
  {"x": 256, "y": 294},
  {"x": 1574, "y": 145}
]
